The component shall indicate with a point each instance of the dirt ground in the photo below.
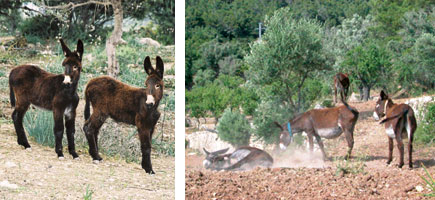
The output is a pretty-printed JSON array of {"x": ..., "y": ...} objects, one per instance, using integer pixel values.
[
  {"x": 309, "y": 177},
  {"x": 39, "y": 174}
]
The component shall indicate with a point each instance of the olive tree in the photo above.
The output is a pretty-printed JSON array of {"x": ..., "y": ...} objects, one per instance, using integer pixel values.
[{"x": 290, "y": 52}]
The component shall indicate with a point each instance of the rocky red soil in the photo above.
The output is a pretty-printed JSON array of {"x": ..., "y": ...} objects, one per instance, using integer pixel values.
[{"x": 300, "y": 175}]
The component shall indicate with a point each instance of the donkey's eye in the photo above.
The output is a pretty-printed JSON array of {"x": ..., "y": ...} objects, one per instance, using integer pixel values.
[{"x": 157, "y": 86}]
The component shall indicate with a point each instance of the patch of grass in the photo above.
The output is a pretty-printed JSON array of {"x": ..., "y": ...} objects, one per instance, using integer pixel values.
[
  {"x": 88, "y": 193},
  {"x": 39, "y": 124},
  {"x": 354, "y": 166},
  {"x": 170, "y": 71},
  {"x": 164, "y": 147},
  {"x": 426, "y": 128},
  {"x": 429, "y": 180}
]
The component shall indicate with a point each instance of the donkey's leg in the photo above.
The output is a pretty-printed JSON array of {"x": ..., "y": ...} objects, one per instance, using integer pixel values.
[
  {"x": 319, "y": 141},
  {"x": 390, "y": 150},
  {"x": 410, "y": 139},
  {"x": 401, "y": 150},
  {"x": 350, "y": 141},
  {"x": 335, "y": 94},
  {"x": 398, "y": 132},
  {"x": 58, "y": 131},
  {"x": 145, "y": 145},
  {"x": 17, "y": 117},
  {"x": 310, "y": 141},
  {"x": 70, "y": 131},
  {"x": 91, "y": 128}
]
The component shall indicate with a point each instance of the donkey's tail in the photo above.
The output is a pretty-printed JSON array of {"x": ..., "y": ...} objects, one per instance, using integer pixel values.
[
  {"x": 403, "y": 113},
  {"x": 353, "y": 110},
  {"x": 12, "y": 95},
  {"x": 87, "y": 108}
]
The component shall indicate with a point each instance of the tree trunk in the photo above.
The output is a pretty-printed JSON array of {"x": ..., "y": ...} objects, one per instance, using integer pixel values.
[
  {"x": 366, "y": 92},
  {"x": 361, "y": 93},
  {"x": 115, "y": 39}
]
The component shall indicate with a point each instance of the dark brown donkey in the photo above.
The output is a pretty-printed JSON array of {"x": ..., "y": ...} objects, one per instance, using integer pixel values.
[
  {"x": 29, "y": 84},
  {"x": 243, "y": 158},
  {"x": 341, "y": 83},
  {"x": 123, "y": 103},
  {"x": 399, "y": 122},
  {"x": 326, "y": 123}
]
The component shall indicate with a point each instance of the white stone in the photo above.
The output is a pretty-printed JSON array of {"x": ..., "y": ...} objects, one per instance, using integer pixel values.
[
  {"x": 6, "y": 184},
  {"x": 149, "y": 42}
]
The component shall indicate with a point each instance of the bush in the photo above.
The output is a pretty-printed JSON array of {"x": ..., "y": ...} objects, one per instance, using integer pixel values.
[
  {"x": 234, "y": 128},
  {"x": 41, "y": 26},
  {"x": 39, "y": 124},
  {"x": 426, "y": 130}
]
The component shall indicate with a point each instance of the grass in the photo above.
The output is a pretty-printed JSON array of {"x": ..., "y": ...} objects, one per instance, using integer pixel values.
[
  {"x": 39, "y": 124},
  {"x": 88, "y": 193},
  {"x": 429, "y": 180},
  {"x": 354, "y": 166}
]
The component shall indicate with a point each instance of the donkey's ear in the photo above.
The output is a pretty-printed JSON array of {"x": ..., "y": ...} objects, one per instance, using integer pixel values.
[
  {"x": 80, "y": 49},
  {"x": 205, "y": 151},
  {"x": 279, "y": 126},
  {"x": 159, "y": 67},
  {"x": 65, "y": 49},
  {"x": 383, "y": 95},
  {"x": 221, "y": 151},
  {"x": 147, "y": 66}
]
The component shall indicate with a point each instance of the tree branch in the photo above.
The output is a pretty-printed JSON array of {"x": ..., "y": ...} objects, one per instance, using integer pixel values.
[{"x": 72, "y": 5}]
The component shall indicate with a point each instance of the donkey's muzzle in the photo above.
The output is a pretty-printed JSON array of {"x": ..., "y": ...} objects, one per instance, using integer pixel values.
[{"x": 150, "y": 101}]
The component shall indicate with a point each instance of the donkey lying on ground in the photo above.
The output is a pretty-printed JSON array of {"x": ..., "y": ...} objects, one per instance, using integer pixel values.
[
  {"x": 341, "y": 83},
  {"x": 399, "y": 122},
  {"x": 123, "y": 103},
  {"x": 29, "y": 84},
  {"x": 328, "y": 123},
  {"x": 243, "y": 158}
]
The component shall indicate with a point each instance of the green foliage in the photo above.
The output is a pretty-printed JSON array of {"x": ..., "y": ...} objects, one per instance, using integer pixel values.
[
  {"x": 266, "y": 113},
  {"x": 164, "y": 147},
  {"x": 424, "y": 51},
  {"x": 39, "y": 124},
  {"x": 234, "y": 128},
  {"x": 329, "y": 12},
  {"x": 42, "y": 26},
  {"x": 88, "y": 194},
  {"x": 290, "y": 52},
  {"x": 369, "y": 65},
  {"x": 354, "y": 166},
  {"x": 426, "y": 128},
  {"x": 429, "y": 180},
  {"x": 217, "y": 33}
]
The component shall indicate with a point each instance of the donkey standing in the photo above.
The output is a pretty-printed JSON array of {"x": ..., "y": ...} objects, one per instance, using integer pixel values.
[
  {"x": 399, "y": 122},
  {"x": 30, "y": 84},
  {"x": 123, "y": 103},
  {"x": 341, "y": 83},
  {"x": 326, "y": 123}
]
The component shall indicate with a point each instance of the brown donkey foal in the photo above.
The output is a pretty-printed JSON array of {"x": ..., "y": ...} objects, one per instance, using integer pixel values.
[
  {"x": 30, "y": 84},
  {"x": 341, "y": 84},
  {"x": 399, "y": 122},
  {"x": 326, "y": 123},
  {"x": 123, "y": 103}
]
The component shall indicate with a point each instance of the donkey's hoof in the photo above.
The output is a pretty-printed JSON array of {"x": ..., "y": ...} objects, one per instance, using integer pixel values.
[
  {"x": 150, "y": 172},
  {"x": 96, "y": 161},
  {"x": 61, "y": 158},
  {"x": 77, "y": 158},
  {"x": 28, "y": 149}
]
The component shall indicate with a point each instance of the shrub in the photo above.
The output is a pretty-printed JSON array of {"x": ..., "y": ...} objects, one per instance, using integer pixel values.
[
  {"x": 234, "y": 128},
  {"x": 426, "y": 130},
  {"x": 39, "y": 124}
]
